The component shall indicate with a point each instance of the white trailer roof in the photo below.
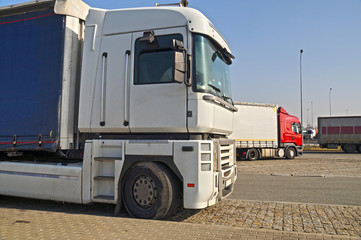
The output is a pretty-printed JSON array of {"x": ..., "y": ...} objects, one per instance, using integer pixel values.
[
  {"x": 74, "y": 8},
  {"x": 255, "y": 104}
]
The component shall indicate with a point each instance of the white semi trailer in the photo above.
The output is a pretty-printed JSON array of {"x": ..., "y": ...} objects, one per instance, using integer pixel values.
[{"x": 128, "y": 107}]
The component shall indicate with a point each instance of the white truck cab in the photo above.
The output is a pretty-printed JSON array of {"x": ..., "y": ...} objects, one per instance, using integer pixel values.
[
  {"x": 143, "y": 114},
  {"x": 126, "y": 53}
]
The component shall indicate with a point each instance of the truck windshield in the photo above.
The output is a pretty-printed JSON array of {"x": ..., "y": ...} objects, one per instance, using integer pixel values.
[
  {"x": 296, "y": 128},
  {"x": 210, "y": 68}
]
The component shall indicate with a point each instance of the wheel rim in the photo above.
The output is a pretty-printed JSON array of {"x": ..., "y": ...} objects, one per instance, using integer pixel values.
[
  {"x": 252, "y": 154},
  {"x": 144, "y": 191},
  {"x": 292, "y": 153}
]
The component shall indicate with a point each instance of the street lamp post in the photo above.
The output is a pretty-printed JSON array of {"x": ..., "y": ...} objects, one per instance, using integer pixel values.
[
  {"x": 312, "y": 114},
  {"x": 301, "y": 51},
  {"x": 329, "y": 100}
]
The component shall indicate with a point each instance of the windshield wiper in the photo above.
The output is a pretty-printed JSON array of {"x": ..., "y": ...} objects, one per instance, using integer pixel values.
[
  {"x": 221, "y": 94},
  {"x": 218, "y": 90},
  {"x": 215, "y": 55},
  {"x": 215, "y": 88}
]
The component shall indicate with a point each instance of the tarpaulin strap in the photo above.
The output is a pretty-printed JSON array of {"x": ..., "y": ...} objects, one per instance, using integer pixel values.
[
  {"x": 40, "y": 139},
  {"x": 14, "y": 140}
]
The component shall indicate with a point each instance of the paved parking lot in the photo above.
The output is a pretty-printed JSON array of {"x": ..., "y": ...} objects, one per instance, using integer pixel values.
[
  {"x": 37, "y": 224},
  {"x": 229, "y": 219},
  {"x": 293, "y": 217}
]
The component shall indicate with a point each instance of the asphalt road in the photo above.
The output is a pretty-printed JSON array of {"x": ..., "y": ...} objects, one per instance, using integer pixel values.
[
  {"x": 322, "y": 190},
  {"x": 332, "y": 154},
  {"x": 342, "y": 190}
]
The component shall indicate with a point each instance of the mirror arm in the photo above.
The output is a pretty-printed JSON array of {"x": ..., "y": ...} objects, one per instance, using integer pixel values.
[{"x": 178, "y": 45}]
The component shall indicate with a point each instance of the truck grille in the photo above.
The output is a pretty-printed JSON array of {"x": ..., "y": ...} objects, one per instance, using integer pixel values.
[{"x": 227, "y": 160}]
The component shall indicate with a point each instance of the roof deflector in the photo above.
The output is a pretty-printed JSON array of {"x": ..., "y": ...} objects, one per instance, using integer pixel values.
[{"x": 74, "y": 8}]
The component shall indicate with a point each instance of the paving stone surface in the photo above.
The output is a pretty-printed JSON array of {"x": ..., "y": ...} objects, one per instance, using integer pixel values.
[
  {"x": 293, "y": 217},
  {"x": 37, "y": 224}
]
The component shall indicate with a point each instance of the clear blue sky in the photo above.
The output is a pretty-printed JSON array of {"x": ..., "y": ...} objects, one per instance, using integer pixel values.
[{"x": 266, "y": 38}]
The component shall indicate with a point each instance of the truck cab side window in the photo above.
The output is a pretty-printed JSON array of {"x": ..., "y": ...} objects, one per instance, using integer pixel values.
[
  {"x": 153, "y": 62},
  {"x": 155, "y": 67}
]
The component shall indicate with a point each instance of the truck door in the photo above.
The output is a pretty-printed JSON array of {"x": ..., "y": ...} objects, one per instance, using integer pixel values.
[
  {"x": 156, "y": 104},
  {"x": 110, "y": 111},
  {"x": 292, "y": 131}
]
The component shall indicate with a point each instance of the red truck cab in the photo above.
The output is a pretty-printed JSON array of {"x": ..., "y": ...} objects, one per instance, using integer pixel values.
[{"x": 290, "y": 132}]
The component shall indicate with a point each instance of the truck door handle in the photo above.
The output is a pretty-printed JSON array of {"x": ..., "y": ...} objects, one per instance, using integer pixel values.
[
  {"x": 127, "y": 54},
  {"x": 103, "y": 81}
]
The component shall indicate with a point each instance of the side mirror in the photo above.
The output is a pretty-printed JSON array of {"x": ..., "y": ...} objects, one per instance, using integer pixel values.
[{"x": 179, "y": 67}]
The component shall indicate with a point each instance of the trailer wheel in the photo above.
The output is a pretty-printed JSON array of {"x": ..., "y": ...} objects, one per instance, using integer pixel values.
[
  {"x": 290, "y": 153},
  {"x": 252, "y": 154},
  {"x": 150, "y": 191},
  {"x": 350, "y": 148},
  {"x": 359, "y": 148}
]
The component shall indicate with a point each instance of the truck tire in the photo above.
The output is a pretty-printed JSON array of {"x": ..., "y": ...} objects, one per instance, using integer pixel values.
[
  {"x": 252, "y": 154},
  {"x": 290, "y": 153},
  {"x": 359, "y": 148},
  {"x": 350, "y": 148},
  {"x": 150, "y": 191}
]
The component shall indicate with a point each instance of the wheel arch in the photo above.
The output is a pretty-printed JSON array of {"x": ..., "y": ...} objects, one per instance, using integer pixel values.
[
  {"x": 290, "y": 146},
  {"x": 167, "y": 161}
]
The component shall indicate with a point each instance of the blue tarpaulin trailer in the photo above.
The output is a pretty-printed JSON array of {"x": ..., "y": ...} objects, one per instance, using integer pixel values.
[{"x": 31, "y": 76}]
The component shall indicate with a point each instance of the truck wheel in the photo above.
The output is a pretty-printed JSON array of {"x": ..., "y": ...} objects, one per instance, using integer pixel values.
[
  {"x": 290, "y": 153},
  {"x": 350, "y": 148},
  {"x": 150, "y": 191},
  {"x": 252, "y": 154},
  {"x": 359, "y": 148}
]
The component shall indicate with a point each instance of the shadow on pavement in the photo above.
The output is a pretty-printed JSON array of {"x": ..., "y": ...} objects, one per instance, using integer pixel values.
[
  {"x": 53, "y": 206},
  {"x": 183, "y": 214},
  {"x": 98, "y": 209}
]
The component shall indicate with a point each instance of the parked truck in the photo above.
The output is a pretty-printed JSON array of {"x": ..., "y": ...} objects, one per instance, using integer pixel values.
[
  {"x": 343, "y": 131},
  {"x": 115, "y": 106},
  {"x": 265, "y": 130}
]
